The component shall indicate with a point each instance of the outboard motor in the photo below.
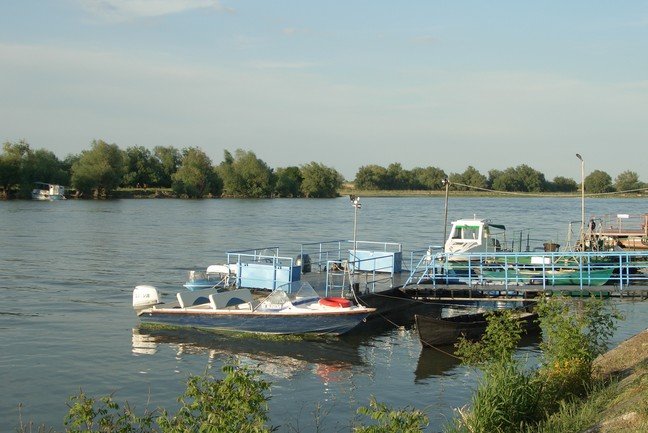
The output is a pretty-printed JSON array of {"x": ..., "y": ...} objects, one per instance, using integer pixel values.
[
  {"x": 305, "y": 263},
  {"x": 145, "y": 296}
]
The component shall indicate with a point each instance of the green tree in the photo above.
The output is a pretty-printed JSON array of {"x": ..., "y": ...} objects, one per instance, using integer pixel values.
[
  {"x": 142, "y": 168},
  {"x": 429, "y": 178},
  {"x": 12, "y": 165},
  {"x": 196, "y": 176},
  {"x": 397, "y": 178},
  {"x": 288, "y": 182},
  {"x": 471, "y": 177},
  {"x": 320, "y": 181},
  {"x": 46, "y": 167},
  {"x": 98, "y": 171},
  {"x": 598, "y": 182},
  {"x": 521, "y": 178},
  {"x": 371, "y": 177},
  {"x": 563, "y": 184},
  {"x": 245, "y": 175},
  {"x": 627, "y": 181},
  {"x": 169, "y": 159}
]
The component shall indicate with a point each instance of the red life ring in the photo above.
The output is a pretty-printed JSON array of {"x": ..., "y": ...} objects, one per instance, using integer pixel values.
[{"x": 335, "y": 302}]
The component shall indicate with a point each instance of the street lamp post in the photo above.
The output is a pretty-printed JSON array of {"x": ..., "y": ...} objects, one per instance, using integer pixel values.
[{"x": 582, "y": 229}]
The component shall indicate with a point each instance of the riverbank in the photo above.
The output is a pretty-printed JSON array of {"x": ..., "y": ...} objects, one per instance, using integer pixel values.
[{"x": 627, "y": 409}]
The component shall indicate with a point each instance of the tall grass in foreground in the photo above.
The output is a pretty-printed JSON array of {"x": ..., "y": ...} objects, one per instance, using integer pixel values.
[{"x": 511, "y": 398}]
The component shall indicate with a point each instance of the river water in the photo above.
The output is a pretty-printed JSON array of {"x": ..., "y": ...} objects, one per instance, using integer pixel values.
[{"x": 67, "y": 270}]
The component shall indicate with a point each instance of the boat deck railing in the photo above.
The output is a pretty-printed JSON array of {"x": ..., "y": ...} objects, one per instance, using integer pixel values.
[
  {"x": 319, "y": 254},
  {"x": 511, "y": 270},
  {"x": 263, "y": 268},
  {"x": 364, "y": 274}
]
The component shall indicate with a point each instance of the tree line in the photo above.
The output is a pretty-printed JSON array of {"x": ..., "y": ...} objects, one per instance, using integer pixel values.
[
  {"x": 514, "y": 179},
  {"x": 189, "y": 172}
]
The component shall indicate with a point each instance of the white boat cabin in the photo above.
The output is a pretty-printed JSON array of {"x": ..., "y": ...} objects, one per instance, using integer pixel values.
[
  {"x": 473, "y": 236},
  {"x": 48, "y": 191}
]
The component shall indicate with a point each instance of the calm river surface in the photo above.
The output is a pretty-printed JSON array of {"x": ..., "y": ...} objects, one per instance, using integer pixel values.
[{"x": 67, "y": 270}]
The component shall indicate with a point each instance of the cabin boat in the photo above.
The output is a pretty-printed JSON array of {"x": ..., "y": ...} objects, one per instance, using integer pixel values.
[
  {"x": 48, "y": 191},
  {"x": 279, "y": 313},
  {"x": 474, "y": 236}
]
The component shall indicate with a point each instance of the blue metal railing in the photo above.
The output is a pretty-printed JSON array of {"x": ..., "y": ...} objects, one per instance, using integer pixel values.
[{"x": 548, "y": 269}]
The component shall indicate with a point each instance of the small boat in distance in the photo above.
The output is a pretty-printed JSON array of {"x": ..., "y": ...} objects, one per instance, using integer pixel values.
[
  {"x": 48, "y": 191},
  {"x": 435, "y": 331},
  {"x": 279, "y": 313}
]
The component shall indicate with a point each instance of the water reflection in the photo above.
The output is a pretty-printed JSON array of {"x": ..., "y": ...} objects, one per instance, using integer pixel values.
[{"x": 329, "y": 359}]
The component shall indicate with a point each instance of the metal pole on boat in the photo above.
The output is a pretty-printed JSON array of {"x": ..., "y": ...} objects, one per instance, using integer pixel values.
[
  {"x": 582, "y": 228},
  {"x": 445, "y": 182},
  {"x": 355, "y": 202}
]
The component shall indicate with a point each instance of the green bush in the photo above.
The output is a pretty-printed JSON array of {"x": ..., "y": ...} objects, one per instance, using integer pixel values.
[
  {"x": 392, "y": 421},
  {"x": 236, "y": 403}
]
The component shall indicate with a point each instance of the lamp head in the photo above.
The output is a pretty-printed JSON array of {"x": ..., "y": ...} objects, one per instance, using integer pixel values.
[{"x": 579, "y": 157}]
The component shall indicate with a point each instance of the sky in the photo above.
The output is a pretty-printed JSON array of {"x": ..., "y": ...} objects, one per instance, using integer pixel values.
[{"x": 347, "y": 84}]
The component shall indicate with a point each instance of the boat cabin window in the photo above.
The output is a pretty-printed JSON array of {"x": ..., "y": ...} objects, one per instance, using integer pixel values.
[{"x": 466, "y": 232}]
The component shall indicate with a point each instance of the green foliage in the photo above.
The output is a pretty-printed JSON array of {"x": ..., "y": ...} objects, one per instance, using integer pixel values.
[
  {"x": 196, "y": 176},
  {"x": 288, "y": 182},
  {"x": 237, "y": 403},
  {"x": 320, "y": 181},
  {"x": 471, "y": 177},
  {"x": 392, "y": 421},
  {"x": 521, "y": 178},
  {"x": 99, "y": 170},
  {"x": 598, "y": 182},
  {"x": 563, "y": 184},
  {"x": 169, "y": 159},
  {"x": 509, "y": 399},
  {"x": 245, "y": 175},
  {"x": 394, "y": 177},
  {"x": 142, "y": 168},
  {"x": 627, "y": 181},
  {"x": 575, "y": 329},
  {"x": 371, "y": 177},
  {"x": 429, "y": 178},
  {"x": 89, "y": 415},
  {"x": 498, "y": 343},
  {"x": 505, "y": 401}
]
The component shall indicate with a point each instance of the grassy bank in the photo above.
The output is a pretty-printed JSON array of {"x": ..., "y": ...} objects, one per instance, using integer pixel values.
[{"x": 619, "y": 401}]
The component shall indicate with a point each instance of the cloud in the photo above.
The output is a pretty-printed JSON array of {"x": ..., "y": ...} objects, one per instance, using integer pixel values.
[{"x": 123, "y": 10}]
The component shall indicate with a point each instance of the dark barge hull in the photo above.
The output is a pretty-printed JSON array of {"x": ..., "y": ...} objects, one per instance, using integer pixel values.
[{"x": 434, "y": 331}]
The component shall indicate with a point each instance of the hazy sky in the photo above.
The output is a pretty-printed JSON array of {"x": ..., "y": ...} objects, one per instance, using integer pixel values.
[{"x": 346, "y": 83}]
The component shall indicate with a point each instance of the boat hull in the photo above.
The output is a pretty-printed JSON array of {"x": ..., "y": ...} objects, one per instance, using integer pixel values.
[
  {"x": 435, "y": 331},
  {"x": 324, "y": 323}
]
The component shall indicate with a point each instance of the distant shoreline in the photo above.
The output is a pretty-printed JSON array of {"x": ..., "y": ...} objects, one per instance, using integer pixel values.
[{"x": 152, "y": 193}]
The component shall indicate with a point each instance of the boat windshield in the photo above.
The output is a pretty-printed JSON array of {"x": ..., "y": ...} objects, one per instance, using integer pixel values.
[
  {"x": 305, "y": 291},
  {"x": 278, "y": 297},
  {"x": 466, "y": 232}
]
